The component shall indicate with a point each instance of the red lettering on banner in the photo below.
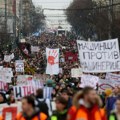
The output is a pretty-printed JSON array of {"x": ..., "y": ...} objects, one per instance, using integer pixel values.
[
  {"x": 30, "y": 90},
  {"x": 3, "y": 86},
  {"x": 25, "y": 90},
  {"x": 6, "y": 87}
]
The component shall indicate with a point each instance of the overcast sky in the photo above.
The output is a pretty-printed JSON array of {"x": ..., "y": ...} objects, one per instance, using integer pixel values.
[{"x": 54, "y": 4}]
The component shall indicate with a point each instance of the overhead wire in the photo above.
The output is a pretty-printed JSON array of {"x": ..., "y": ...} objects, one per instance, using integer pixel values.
[
  {"x": 105, "y": 6},
  {"x": 92, "y": 8}
]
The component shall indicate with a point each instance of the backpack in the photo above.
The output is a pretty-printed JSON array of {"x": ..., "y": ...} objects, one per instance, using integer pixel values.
[{"x": 43, "y": 107}]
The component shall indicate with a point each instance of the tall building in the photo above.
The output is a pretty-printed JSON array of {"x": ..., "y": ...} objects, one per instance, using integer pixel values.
[
  {"x": 28, "y": 11},
  {"x": 6, "y": 16},
  {"x": 2, "y": 14},
  {"x": 6, "y": 22}
]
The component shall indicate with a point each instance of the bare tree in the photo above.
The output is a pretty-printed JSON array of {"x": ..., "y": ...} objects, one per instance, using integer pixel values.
[{"x": 96, "y": 20}]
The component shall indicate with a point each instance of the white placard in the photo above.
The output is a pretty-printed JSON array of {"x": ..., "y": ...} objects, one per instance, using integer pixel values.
[
  {"x": 89, "y": 80},
  {"x": 7, "y": 71},
  {"x": 104, "y": 84},
  {"x": 35, "y": 48},
  {"x": 98, "y": 57},
  {"x": 113, "y": 79},
  {"x": 76, "y": 72},
  {"x": 8, "y": 58},
  {"x": 19, "y": 65},
  {"x": 23, "y": 79},
  {"x": 52, "y": 61},
  {"x": 21, "y": 91},
  {"x": 6, "y": 75}
]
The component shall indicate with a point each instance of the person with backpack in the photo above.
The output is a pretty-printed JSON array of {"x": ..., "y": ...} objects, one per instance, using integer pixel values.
[
  {"x": 115, "y": 114},
  {"x": 29, "y": 111},
  {"x": 43, "y": 104}
]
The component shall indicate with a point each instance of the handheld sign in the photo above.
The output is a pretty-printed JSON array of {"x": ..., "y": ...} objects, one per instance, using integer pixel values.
[{"x": 99, "y": 57}]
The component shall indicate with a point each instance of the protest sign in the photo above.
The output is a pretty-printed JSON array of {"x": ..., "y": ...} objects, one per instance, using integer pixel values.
[
  {"x": 8, "y": 58},
  {"x": 41, "y": 77},
  {"x": 76, "y": 72},
  {"x": 5, "y": 78},
  {"x": 37, "y": 76},
  {"x": 104, "y": 84},
  {"x": 3, "y": 86},
  {"x": 111, "y": 81},
  {"x": 7, "y": 71},
  {"x": 114, "y": 79},
  {"x": 71, "y": 56},
  {"x": 29, "y": 80},
  {"x": 9, "y": 112},
  {"x": 21, "y": 91},
  {"x": 6, "y": 74},
  {"x": 52, "y": 61},
  {"x": 37, "y": 83},
  {"x": 47, "y": 91},
  {"x": 19, "y": 65},
  {"x": 35, "y": 48},
  {"x": 89, "y": 80},
  {"x": 23, "y": 79},
  {"x": 98, "y": 57}
]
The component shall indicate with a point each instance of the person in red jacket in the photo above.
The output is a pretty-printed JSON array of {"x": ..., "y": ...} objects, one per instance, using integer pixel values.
[
  {"x": 73, "y": 110},
  {"x": 88, "y": 106}
]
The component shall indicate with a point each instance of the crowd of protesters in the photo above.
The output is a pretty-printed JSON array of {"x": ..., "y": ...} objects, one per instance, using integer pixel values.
[{"x": 69, "y": 101}]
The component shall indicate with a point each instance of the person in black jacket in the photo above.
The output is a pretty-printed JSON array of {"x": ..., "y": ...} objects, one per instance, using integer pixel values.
[
  {"x": 41, "y": 103},
  {"x": 61, "y": 109}
]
